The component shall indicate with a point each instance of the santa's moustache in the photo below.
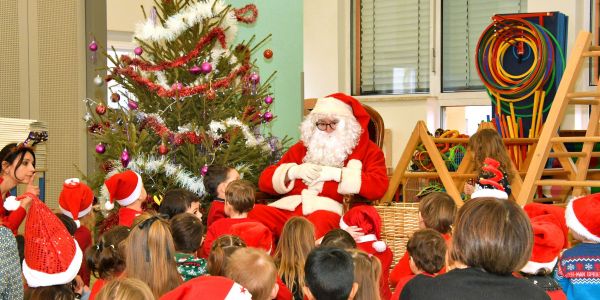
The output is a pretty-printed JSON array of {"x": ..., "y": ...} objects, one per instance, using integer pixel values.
[{"x": 330, "y": 149}]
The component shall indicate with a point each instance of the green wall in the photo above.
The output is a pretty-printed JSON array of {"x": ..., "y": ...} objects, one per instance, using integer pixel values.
[{"x": 282, "y": 19}]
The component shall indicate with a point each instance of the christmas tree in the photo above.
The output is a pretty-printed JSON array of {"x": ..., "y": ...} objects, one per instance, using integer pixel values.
[{"x": 190, "y": 99}]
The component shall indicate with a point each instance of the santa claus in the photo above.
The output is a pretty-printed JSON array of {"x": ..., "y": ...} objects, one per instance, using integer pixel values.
[{"x": 333, "y": 158}]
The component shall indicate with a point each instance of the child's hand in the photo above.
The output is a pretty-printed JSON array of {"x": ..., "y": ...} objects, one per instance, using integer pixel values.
[
  {"x": 354, "y": 231},
  {"x": 468, "y": 188}
]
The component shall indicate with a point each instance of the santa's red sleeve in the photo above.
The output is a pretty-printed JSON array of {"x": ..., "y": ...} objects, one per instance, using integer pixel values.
[
  {"x": 366, "y": 176},
  {"x": 272, "y": 179}
]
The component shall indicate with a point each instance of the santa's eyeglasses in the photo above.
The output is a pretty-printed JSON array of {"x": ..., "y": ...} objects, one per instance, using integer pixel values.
[{"x": 323, "y": 126}]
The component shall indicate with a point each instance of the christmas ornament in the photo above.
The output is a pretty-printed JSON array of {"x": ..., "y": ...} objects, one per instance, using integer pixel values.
[
  {"x": 268, "y": 53},
  {"x": 98, "y": 80},
  {"x": 268, "y": 116},
  {"x": 132, "y": 104},
  {"x": 204, "y": 170},
  {"x": 163, "y": 149},
  {"x": 93, "y": 46},
  {"x": 114, "y": 97},
  {"x": 125, "y": 158},
  {"x": 211, "y": 94},
  {"x": 177, "y": 86},
  {"x": 100, "y": 109},
  {"x": 195, "y": 70},
  {"x": 206, "y": 67},
  {"x": 87, "y": 116},
  {"x": 269, "y": 100},
  {"x": 100, "y": 148},
  {"x": 138, "y": 51},
  {"x": 254, "y": 78}
]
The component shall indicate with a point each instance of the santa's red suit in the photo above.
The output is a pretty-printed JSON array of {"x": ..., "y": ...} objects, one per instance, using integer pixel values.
[{"x": 363, "y": 173}]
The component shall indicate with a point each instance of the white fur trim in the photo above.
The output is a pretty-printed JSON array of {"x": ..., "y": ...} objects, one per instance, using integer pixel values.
[
  {"x": 11, "y": 203},
  {"x": 351, "y": 178},
  {"x": 77, "y": 223},
  {"x": 238, "y": 292},
  {"x": 481, "y": 192},
  {"x": 36, "y": 278},
  {"x": 81, "y": 214},
  {"x": 72, "y": 180},
  {"x": 379, "y": 246},
  {"x": 287, "y": 203},
  {"x": 532, "y": 267},
  {"x": 365, "y": 238},
  {"x": 574, "y": 224},
  {"x": 109, "y": 205},
  {"x": 135, "y": 195},
  {"x": 279, "y": 177},
  {"x": 332, "y": 106},
  {"x": 311, "y": 202}
]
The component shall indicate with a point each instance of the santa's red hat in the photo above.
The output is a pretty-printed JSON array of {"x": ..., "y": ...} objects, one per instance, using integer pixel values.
[
  {"x": 255, "y": 235},
  {"x": 367, "y": 218},
  {"x": 52, "y": 256},
  {"x": 208, "y": 287},
  {"x": 124, "y": 187},
  {"x": 75, "y": 199},
  {"x": 582, "y": 216},
  {"x": 539, "y": 209},
  {"x": 548, "y": 241}
]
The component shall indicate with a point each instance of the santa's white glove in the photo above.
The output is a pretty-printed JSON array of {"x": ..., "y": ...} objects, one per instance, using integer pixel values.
[
  {"x": 330, "y": 173},
  {"x": 307, "y": 172}
]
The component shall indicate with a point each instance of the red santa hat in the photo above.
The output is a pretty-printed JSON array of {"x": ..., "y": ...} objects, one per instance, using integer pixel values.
[
  {"x": 208, "y": 287},
  {"x": 558, "y": 213},
  {"x": 367, "y": 218},
  {"x": 255, "y": 235},
  {"x": 75, "y": 200},
  {"x": 582, "y": 216},
  {"x": 52, "y": 256},
  {"x": 124, "y": 187},
  {"x": 548, "y": 241}
]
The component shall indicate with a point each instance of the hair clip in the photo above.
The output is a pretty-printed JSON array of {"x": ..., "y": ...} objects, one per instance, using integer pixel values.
[
  {"x": 97, "y": 247},
  {"x": 112, "y": 246}
]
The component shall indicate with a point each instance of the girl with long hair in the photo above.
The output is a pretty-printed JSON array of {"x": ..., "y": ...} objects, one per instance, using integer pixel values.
[{"x": 367, "y": 273}]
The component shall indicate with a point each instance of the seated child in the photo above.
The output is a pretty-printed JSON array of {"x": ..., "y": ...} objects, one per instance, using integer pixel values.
[
  {"x": 338, "y": 238},
  {"x": 579, "y": 267},
  {"x": 436, "y": 211},
  {"x": 186, "y": 230},
  {"x": 216, "y": 180},
  {"x": 329, "y": 275},
  {"x": 125, "y": 289},
  {"x": 367, "y": 274},
  {"x": 239, "y": 200},
  {"x": 127, "y": 189},
  {"x": 427, "y": 250},
  {"x": 255, "y": 270},
  {"x": 178, "y": 201}
]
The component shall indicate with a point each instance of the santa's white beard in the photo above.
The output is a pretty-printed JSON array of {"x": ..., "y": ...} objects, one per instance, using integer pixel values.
[{"x": 330, "y": 149}]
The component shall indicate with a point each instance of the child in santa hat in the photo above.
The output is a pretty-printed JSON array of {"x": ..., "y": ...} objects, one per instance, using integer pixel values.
[
  {"x": 367, "y": 218},
  {"x": 255, "y": 270},
  {"x": 75, "y": 201},
  {"x": 216, "y": 180},
  {"x": 127, "y": 189},
  {"x": 579, "y": 267},
  {"x": 186, "y": 230}
]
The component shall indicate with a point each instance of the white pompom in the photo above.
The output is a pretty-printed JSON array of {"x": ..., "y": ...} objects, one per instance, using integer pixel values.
[
  {"x": 11, "y": 203},
  {"x": 109, "y": 205},
  {"x": 77, "y": 223},
  {"x": 379, "y": 246}
]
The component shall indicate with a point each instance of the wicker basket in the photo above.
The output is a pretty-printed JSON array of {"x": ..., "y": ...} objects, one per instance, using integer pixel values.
[{"x": 399, "y": 221}]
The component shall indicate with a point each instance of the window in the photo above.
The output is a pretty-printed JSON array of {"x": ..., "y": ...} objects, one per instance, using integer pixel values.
[
  {"x": 392, "y": 52},
  {"x": 463, "y": 21},
  {"x": 465, "y": 119}
]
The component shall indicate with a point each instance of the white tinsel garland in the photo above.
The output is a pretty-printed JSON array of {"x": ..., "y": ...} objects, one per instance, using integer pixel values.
[
  {"x": 176, "y": 24},
  {"x": 216, "y": 128}
]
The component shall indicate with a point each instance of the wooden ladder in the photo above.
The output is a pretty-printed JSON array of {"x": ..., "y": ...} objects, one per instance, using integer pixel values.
[{"x": 577, "y": 172}]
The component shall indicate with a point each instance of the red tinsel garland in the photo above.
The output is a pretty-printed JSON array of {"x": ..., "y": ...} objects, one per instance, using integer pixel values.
[
  {"x": 178, "y": 138},
  {"x": 240, "y": 14}
]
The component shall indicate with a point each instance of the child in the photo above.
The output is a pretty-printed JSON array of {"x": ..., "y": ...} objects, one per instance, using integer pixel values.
[
  {"x": 178, "y": 201},
  {"x": 338, "y": 238},
  {"x": 579, "y": 267},
  {"x": 368, "y": 220},
  {"x": 75, "y": 201},
  {"x": 329, "y": 275},
  {"x": 427, "y": 250},
  {"x": 436, "y": 211},
  {"x": 216, "y": 180},
  {"x": 367, "y": 274},
  {"x": 239, "y": 200},
  {"x": 10, "y": 268},
  {"x": 296, "y": 241},
  {"x": 186, "y": 230},
  {"x": 487, "y": 143},
  {"x": 209, "y": 287},
  {"x": 149, "y": 253},
  {"x": 106, "y": 259},
  {"x": 492, "y": 182},
  {"x": 128, "y": 190},
  {"x": 254, "y": 269},
  {"x": 255, "y": 235},
  {"x": 126, "y": 289},
  {"x": 220, "y": 252}
]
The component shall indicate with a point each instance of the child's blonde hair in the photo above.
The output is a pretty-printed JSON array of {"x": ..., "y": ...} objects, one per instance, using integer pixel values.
[
  {"x": 149, "y": 254},
  {"x": 367, "y": 273},
  {"x": 255, "y": 270},
  {"x": 488, "y": 143},
  {"x": 125, "y": 289},
  {"x": 220, "y": 251},
  {"x": 240, "y": 195},
  {"x": 295, "y": 243}
]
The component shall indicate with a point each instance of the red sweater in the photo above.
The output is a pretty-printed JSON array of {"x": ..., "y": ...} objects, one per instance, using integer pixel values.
[
  {"x": 126, "y": 216},
  {"x": 11, "y": 220},
  {"x": 217, "y": 229},
  {"x": 83, "y": 236},
  {"x": 216, "y": 212}
]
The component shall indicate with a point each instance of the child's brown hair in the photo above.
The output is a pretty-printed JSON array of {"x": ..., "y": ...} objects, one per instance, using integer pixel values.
[
  {"x": 254, "y": 270},
  {"x": 338, "y": 238},
  {"x": 220, "y": 251},
  {"x": 106, "y": 258},
  {"x": 186, "y": 230},
  {"x": 427, "y": 248},
  {"x": 488, "y": 143},
  {"x": 240, "y": 195},
  {"x": 438, "y": 211},
  {"x": 367, "y": 273}
]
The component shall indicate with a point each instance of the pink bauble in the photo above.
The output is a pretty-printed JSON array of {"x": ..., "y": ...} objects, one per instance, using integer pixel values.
[
  {"x": 206, "y": 67},
  {"x": 195, "y": 70},
  {"x": 138, "y": 51},
  {"x": 125, "y": 158},
  {"x": 132, "y": 104},
  {"x": 268, "y": 116},
  {"x": 204, "y": 170},
  {"x": 93, "y": 46},
  {"x": 100, "y": 148},
  {"x": 254, "y": 78},
  {"x": 269, "y": 99}
]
